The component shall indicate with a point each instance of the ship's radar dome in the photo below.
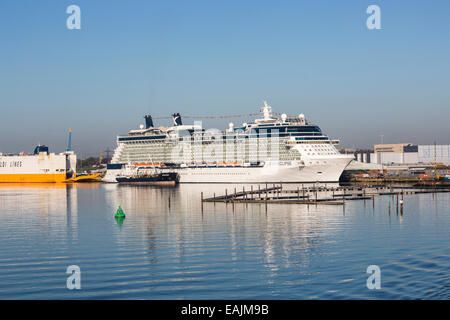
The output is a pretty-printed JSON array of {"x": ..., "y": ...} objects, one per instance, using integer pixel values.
[
  {"x": 284, "y": 117},
  {"x": 141, "y": 126}
]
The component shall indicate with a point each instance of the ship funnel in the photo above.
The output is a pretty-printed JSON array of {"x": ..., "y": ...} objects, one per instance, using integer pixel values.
[
  {"x": 41, "y": 148},
  {"x": 148, "y": 121},
  {"x": 177, "y": 119}
]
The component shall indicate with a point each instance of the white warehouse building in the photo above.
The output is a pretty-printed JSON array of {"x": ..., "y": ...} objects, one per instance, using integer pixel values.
[
  {"x": 409, "y": 154},
  {"x": 434, "y": 153}
]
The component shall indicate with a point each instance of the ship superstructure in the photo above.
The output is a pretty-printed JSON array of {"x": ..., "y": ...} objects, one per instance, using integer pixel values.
[{"x": 270, "y": 149}]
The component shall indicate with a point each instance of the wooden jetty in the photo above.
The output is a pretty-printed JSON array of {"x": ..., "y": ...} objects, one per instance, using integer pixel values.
[{"x": 318, "y": 194}]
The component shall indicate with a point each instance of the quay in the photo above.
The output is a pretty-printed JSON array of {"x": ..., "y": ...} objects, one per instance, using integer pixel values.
[
  {"x": 409, "y": 180},
  {"x": 320, "y": 194}
]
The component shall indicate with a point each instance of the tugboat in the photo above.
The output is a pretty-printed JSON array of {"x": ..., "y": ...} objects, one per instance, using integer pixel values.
[{"x": 138, "y": 174}]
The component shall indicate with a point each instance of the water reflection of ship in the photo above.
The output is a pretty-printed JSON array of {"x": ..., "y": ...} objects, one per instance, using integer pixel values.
[
  {"x": 280, "y": 233},
  {"x": 54, "y": 207}
]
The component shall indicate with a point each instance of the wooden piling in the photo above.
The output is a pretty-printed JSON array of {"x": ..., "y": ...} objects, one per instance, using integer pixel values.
[
  {"x": 311, "y": 195},
  {"x": 201, "y": 195},
  {"x": 396, "y": 204}
]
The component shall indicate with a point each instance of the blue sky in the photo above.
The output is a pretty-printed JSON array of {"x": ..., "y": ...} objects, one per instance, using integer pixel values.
[{"x": 222, "y": 57}]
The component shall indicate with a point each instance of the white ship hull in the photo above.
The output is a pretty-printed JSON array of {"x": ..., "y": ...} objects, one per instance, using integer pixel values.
[{"x": 284, "y": 172}]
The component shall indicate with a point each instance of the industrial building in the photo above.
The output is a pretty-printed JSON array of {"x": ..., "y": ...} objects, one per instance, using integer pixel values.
[
  {"x": 395, "y": 148},
  {"x": 407, "y": 153}
]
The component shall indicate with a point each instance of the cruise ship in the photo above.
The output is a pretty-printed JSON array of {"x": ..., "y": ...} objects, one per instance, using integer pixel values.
[{"x": 270, "y": 149}]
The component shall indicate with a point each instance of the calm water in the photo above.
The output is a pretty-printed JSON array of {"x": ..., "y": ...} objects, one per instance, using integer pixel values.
[{"x": 284, "y": 252}]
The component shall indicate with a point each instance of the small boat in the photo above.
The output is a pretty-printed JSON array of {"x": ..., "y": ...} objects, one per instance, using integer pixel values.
[
  {"x": 150, "y": 175},
  {"x": 164, "y": 178},
  {"x": 95, "y": 177}
]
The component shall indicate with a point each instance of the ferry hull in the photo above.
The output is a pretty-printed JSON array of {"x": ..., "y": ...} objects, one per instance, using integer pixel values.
[{"x": 33, "y": 178}]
